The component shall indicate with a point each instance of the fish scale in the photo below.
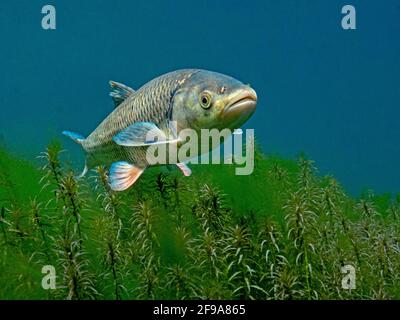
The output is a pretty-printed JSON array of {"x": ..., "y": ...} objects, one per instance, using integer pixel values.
[
  {"x": 148, "y": 104},
  {"x": 208, "y": 100}
]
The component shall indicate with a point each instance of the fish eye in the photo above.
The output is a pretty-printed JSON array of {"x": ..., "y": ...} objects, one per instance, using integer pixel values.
[{"x": 205, "y": 100}]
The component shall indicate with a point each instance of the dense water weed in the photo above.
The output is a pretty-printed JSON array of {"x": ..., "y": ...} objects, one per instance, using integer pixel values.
[{"x": 283, "y": 232}]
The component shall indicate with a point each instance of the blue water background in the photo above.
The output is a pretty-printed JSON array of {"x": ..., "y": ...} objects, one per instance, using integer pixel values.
[{"x": 330, "y": 93}]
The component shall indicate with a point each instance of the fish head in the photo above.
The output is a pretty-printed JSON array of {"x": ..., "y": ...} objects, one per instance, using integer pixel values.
[{"x": 210, "y": 100}]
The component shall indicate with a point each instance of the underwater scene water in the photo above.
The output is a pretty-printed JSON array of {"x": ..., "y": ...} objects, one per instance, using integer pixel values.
[{"x": 315, "y": 217}]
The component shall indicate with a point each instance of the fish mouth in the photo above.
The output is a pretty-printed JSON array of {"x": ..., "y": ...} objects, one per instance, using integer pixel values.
[{"x": 240, "y": 108}]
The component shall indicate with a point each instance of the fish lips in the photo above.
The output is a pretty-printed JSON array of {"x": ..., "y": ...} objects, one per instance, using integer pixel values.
[{"x": 239, "y": 109}]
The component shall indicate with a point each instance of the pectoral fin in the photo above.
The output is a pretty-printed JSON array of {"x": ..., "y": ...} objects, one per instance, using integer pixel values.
[
  {"x": 141, "y": 134},
  {"x": 184, "y": 168},
  {"x": 122, "y": 175}
]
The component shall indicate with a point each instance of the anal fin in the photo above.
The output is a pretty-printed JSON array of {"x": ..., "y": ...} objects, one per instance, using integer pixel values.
[
  {"x": 184, "y": 168},
  {"x": 122, "y": 175}
]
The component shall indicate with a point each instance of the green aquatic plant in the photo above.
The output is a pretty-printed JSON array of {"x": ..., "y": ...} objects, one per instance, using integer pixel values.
[
  {"x": 4, "y": 224},
  {"x": 210, "y": 208},
  {"x": 206, "y": 254},
  {"x": 238, "y": 252},
  {"x": 143, "y": 249},
  {"x": 110, "y": 248},
  {"x": 73, "y": 202},
  {"x": 149, "y": 278},
  {"x": 180, "y": 282},
  {"x": 272, "y": 262},
  {"x": 300, "y": 221},
  {"x": 145, "y": 238},
  {"x": 283, "y": 232},
  {"x": 17, "y": 223},
  {"x": 179, "y": 279},
  {"x": 39, "y": 226},
  {"x": 78, "y": 283},
  {"x": 52, "y": 169}
]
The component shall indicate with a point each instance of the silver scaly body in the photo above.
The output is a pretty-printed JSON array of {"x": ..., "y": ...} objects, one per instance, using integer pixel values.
[
  {"x": 156, "y": 114},
  {"x": 150, "y": 103}
]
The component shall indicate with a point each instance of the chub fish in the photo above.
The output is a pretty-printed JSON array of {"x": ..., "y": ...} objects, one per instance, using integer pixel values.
[{"x": 190, "y": 98}]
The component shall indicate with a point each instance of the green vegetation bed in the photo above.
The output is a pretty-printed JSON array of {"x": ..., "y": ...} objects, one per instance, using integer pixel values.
[{"x": 281, "y": 233}]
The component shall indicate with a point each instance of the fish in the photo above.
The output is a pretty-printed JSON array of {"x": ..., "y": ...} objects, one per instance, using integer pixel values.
[{"x": 156, "y": 113}]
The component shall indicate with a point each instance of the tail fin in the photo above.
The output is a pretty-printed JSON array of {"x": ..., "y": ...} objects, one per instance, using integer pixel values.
[{"x": 78, "y": 138}]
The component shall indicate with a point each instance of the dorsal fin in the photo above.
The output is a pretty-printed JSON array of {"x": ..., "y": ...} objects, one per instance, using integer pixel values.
[{"x": 119, "y": 92}]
